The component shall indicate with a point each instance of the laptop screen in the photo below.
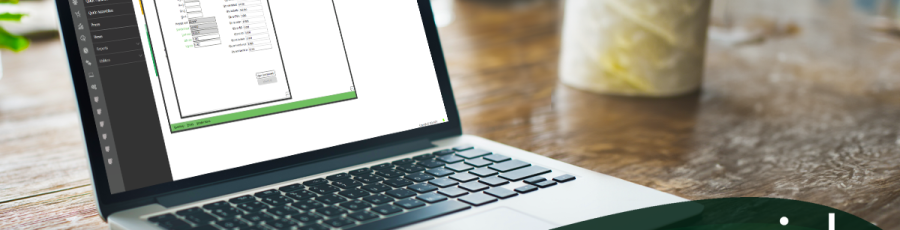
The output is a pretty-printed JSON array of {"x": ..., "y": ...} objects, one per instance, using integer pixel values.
[{"x": 183, "y": 88}]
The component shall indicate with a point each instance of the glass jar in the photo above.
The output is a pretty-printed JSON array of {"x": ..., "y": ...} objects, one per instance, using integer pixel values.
[{"x": 634, "y": 47}]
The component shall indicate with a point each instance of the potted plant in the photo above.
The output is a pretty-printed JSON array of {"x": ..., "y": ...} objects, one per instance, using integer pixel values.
[{"x": 8, "y": 40}]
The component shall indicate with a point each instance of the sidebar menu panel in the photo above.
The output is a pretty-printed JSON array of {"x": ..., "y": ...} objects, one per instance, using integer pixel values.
[
  {"x": 120, "y": 92},
  {"x": 82, "y": 17}
]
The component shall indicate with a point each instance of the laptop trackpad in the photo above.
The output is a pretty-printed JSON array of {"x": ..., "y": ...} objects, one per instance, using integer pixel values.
[{"x": 497, "y": 219}]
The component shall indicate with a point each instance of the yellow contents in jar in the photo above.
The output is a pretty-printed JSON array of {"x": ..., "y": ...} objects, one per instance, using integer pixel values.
[{"x": 634, "y": 47}]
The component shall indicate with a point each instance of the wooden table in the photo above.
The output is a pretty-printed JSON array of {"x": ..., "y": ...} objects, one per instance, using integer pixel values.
[{"x": 812, "y": 116}]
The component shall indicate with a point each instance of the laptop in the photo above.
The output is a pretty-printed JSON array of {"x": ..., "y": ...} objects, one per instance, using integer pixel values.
[{"x": 314, "y": 114}]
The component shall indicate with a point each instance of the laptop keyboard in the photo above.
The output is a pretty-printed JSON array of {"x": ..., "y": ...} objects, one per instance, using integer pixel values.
[{"x": 383, "y": 196}]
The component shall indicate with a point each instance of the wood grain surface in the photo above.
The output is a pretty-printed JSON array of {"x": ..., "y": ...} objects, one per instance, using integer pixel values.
[{"x": 810, "y": 114}]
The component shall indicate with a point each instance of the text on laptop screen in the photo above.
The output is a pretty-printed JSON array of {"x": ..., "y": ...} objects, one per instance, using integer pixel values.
[{"x": 184, "y": 88}]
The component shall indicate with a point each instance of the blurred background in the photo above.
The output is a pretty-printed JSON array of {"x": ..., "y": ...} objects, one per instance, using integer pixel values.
[
  {"x": 39, "y": 22},
  {"x": 800, "y": 99}
]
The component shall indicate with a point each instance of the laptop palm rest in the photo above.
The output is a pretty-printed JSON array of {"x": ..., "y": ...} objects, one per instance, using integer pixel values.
[{"x": 502, "y": 218}]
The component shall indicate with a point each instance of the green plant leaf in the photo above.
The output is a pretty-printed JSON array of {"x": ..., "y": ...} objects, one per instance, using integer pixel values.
[
  {"x": 11, "y": 41},
  {"x": 10, "y": 1},
  {"x": 11, "y": 17}
]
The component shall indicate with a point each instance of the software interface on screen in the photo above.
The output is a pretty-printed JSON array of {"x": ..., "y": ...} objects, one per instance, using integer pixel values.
[{"x": 183, "y": 88}]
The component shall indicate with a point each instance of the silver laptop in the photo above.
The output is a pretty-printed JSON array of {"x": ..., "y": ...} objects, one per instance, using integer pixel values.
[{"x": 314, "y": 114}]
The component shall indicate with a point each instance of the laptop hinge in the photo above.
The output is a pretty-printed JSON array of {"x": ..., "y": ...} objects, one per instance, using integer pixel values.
[{"x": 294, "y": 172}]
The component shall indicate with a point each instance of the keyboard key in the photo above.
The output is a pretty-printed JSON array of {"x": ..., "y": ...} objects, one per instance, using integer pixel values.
[
  {"x": 524, "y": 173},
  {"x": 316, "y": 181},
  {"x": 493, "y": 181},
  {"x": 282, "y": 211},
  {"x": 378, "y": 199},
  {"x": 409, "y": 203},
  {"x": 313, "y": 227},
  {"x": 430, "y": 163},
  {"x": 390, "y": 173},
  {"x": 422, "y": 188},
  {"x": 477, "y": 199},
  {"x": 216, "y": 205},
  {"x": 162, "y": 217},
  {"x": 546, "y": 183},
  {"x": 439, "y": 172},
  {"x": 347, "y": 183},
  {"x": 423, "y": 157},
  {"x": 306, "y": 217},
  {"x": 188, "y": 211},
  {"x": 410, "y": 168},
  {"x": 324, "y": 189},
  {"x": 473, "y": 186},
  {"x": 483, "y": 172},
  {"x": 509, "y": 165},
  {"x": 331, "y": 211},
  {"x": 173, "y": 224},
  {"x": 307, "y": 205},
  {"x": 463, "y": 147},
  {"x": 372, "y": 187},
  {"x": 253, "y": 206},
  {"x": 376, "y": 188},
  {"x": 459, "y": 167},
  {"x": 301, "y": 195},
  {"x": 501, "y": 193},
  {"x": 473, "y": 153},
  {"x": 258, "y": 226},
  {"x": 368, "y": 178},
  {"x": 564, "y": 178},
  {"x": 422, "y": 214},
  {"x": 533, "y": 180},
  {"x": 355, "y": 205},
  {"x": 354, "y": 193},
  {"x": 270, "y": 192},
  {"x": 443, "y": 152},
  {"x": 397, "y": 182},
  {"x": 231, "y": 224},
  {"x": 330, "y": 199},
  {"x": 227, "y": 212},
  {"x": 497, "y": 158},
  {"x": 339, "y": 176},
  {"x": 419, "y": 177},
  {"x": 386, "y": 209},
  {"x": 257, "y": 217},
  {"x": 450, "y": 159},
  {"x": 200, "y": 218},
  {"x": 281, "y": 224},
  {"x": 443, "y": 182},
  {"x": 363, "y": 216},
  {"x": 277, "y": 200},
  {"x": 526, "y": 189},
  {"x": 453, "y": 192},
  {"x": 360, "y": 171},
  {"x": 404, "y": 161},
  {"x": 480, "y": 162},
  {"x": 464, "y": 177},
  {"x": 400, "y": 193},
  {"x": 291, "y": 188},
  {"x": 431, "y": 197},
  {"x": 205, "y": 227},
  {"x": 338, "y": 222},
  {"x": 384, "y": 166},
  {"x": 242, "y": 199}
]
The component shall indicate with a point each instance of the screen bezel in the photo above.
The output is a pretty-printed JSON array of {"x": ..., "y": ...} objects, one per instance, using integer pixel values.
[{"x": 142, "y": 196}]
